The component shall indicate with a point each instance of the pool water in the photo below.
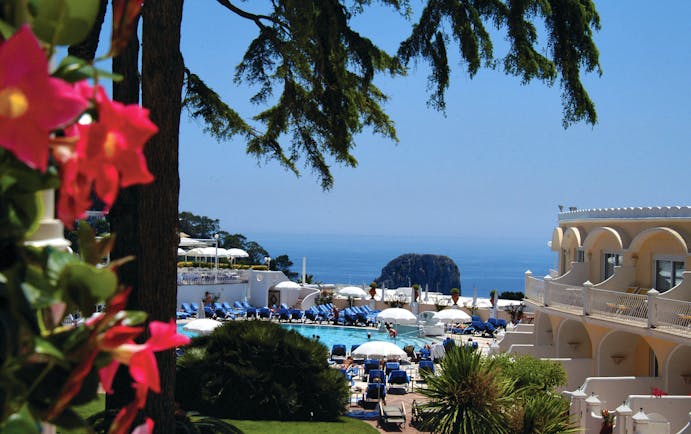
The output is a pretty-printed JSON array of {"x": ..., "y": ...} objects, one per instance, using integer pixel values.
[{"x": 349, "y": 336}]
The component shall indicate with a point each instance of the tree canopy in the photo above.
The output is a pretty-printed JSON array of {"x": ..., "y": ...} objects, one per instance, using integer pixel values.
[{"x": 314, "y": 73}]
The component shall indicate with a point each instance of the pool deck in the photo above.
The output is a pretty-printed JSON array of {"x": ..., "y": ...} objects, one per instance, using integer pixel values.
[{"x": 394, "y": 399}]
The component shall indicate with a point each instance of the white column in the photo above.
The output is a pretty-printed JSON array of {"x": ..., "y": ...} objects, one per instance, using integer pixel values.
[
  {"x": 578, "y": 407},
  {"x": 623, "y": 422},
  {"x": 548, "y": 289},
  {"x": 652, "y": 308},
  {"x": 587, "y": 296},
  {"x": 640, "y": 422},
  {"x": 50, "y": 230}
]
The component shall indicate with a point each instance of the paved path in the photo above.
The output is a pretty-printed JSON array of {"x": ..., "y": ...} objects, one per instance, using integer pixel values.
[{"x": 408, "y": 398}]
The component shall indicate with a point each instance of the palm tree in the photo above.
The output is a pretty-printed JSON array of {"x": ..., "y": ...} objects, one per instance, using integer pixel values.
[
  {"x": 541, "y": 413},
  {"x": 470, "y": 396}
]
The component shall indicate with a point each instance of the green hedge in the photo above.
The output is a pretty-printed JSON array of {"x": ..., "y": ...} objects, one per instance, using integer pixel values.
[{"x": 260, "y": 371}]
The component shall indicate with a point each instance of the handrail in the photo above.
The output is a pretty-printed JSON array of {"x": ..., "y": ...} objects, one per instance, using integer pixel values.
[
  {"x": 649, "y": 310},
  {"x": 620, "y": 305},
  {"x": 535, "y": 289},
  {"x": 564, "y": 296},
  {"x": 674, "y": 315}
]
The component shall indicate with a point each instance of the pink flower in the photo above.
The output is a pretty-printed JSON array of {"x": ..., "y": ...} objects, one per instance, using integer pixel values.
[
  {"x": 658, "y": 393},
  {"x": 165, "y": 335},
  {"x": 139, "y": 357},
  {"x": 108, "y": 154},
  {"x": 32, "y": 103}
]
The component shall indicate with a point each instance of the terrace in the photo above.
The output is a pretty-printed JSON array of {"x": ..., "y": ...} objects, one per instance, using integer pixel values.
[{"x": 668, "y": 312}]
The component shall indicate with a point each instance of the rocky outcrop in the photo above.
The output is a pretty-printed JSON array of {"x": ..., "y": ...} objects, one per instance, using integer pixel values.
[{"x": 439, "y": 272}]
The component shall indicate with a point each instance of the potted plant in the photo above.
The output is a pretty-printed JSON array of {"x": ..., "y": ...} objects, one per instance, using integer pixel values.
[
  {"x": 416, "y": 291},
  {"x": 372, "y": 289},
  {"x": 607, "y": 422},
  {"x": 455, "y": 293}
]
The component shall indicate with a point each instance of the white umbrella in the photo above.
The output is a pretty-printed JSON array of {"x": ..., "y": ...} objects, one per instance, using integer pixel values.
[
  {"x": 452, "y": 316},
  {"x": 236, "y": 253},
  {"x": 378, "y": 350},
  {"x": 191, "y": 242},
  {"x": 287, "y": 284},
  {"x": 202, "y": 326},
  {"x": 352, "y": 291},
  {"x": 397, "y": 315},
  {"x": 182, "y": 252},
  {"x": 484, "y": 302}
]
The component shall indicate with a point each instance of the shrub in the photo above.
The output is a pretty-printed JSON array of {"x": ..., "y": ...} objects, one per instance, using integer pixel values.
[
  {"x": 531, "y": 373},
  {"x": 260, "y": 371}
]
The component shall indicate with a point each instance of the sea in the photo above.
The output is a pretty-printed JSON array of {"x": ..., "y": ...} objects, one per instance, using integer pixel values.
[{"x": 484, "y": 264}]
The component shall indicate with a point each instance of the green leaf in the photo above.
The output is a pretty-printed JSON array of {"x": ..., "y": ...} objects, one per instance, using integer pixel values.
[
  {"x": 20, "y": 423},
  {"x": 57, "y": 261},
  {"x": 70, "y": 420},
  {"x": 87, "y": 285},
  {"x": 65, "y": 22},
  {"x": 73, "y": 69},
  {"x": 6, "y": 30},
  {"x": 42, "y": 346},
  {"x": 133, "y": 317}
]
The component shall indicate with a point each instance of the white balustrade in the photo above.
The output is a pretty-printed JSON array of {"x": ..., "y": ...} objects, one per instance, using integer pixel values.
[
  {"x": 674, "y": 315},
  {"x": 649, "y": 310},
  {"x": 619, "y": 305},
  {"x": 565, "y": 297}
]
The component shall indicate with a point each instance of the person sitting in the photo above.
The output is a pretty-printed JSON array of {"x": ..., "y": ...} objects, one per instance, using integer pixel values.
[{"x": 350, "y": 370}]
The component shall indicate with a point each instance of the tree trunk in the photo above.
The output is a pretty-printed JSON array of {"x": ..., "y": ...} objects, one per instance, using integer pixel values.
[
  {"x": 124, "y": 214},
  {"x": 162, "y": 76}
]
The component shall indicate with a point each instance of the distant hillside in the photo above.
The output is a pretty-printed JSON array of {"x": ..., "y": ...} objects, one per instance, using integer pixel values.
[{"x": 439, "y": 272}]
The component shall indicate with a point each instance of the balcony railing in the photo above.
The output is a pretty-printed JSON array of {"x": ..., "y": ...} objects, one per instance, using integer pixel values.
[
  {"x": 648, "y": 310},
  {"x": 205, "y": 276},
  {"x": 566, "y": 297},
  {"x": 623, "y": 306},
  {"x": 673, "y": 315}
]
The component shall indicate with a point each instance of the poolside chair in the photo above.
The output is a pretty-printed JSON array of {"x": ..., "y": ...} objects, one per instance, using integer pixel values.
[
  {"x": 391, "y": 366},
  {"x": 425, "y": 354},
  {"x": 219, "y": 310},
  {"x": 375, "y": 392},
  {"x": 338, "y": 352},
  {"x": 376, "y": 376},
  {"x": 425, "y": 366},
  {"x": 297, "y": 314},
  {"x": 250, "y": 311},
  {"x": 369, "y": 365},
  {"x": 264, "y": 312},
  {"x": 187, "y": 308},
  {"x": 283, "y": 314},
  {"x": 313, "y": 314},
  {"x": 392, "y": 414},
  {"x": 397, "y": 378},
  {"x": 181, "y": 315}
]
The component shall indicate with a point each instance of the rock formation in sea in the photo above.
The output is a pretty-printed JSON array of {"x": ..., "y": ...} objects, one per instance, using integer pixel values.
[{"x": 439, "y": 272}]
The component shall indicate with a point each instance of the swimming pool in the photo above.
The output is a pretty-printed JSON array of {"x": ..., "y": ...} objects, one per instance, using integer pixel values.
[{"x": 349, "y": 336}]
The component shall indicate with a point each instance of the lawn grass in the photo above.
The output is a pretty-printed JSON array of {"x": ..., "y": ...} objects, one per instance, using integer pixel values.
[{"x": 344, "y": 425}]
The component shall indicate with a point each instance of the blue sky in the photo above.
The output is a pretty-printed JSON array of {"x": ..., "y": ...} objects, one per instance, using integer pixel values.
[{"x": 497, "y": 165}]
